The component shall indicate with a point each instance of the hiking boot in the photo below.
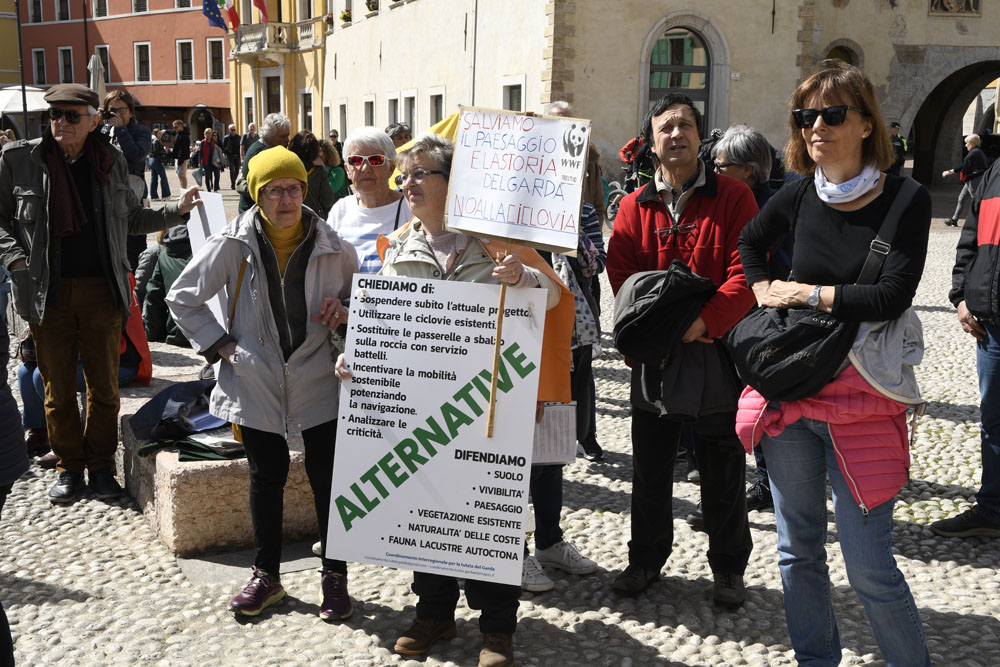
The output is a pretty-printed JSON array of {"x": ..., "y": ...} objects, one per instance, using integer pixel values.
[
  {"x": 696, "y": 519},
  {"x": 533, "y": 577},
  {"x": 728, "y": 590},
  {"x": 36, "y": 442},
  {"x": 497, "y": 651},
  {"x": 67, "y": 489},
  {"x": 634, "y": 580},
  {"x": 759, "y": 497},
  {"x": 419, "y": 637},
  {"x": 967, "y": 524},
  {"x": 564, "y": 556},
  {"x": 104, "y": 484},
  {"x": 590, "y": 451},
  {"x": 261, "y": 592},
  {"x": 336, "y": 604}
]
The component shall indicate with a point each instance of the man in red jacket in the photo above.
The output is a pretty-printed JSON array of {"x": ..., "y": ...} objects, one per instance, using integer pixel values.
[{"x": 686, "y": 212}]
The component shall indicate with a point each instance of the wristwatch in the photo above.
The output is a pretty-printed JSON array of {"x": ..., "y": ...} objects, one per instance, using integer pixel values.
[{"x": 813, "y": 299}]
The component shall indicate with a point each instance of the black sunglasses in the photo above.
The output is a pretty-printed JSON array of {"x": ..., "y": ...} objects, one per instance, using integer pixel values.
[
  {"x": 835, "y": 115},
  {"x": 719, "y": 166},
  {"x": 72, "y": 115}
]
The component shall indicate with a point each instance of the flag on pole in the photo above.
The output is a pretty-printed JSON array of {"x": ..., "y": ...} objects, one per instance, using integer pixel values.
[
  {"x": 234, "y": 18},
  {"x": 210, "y": 8},
  {"x": 262, "y": 6}
]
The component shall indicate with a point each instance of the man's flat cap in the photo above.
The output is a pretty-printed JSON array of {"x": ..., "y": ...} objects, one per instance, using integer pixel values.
[{"x": 72, "y": 93}]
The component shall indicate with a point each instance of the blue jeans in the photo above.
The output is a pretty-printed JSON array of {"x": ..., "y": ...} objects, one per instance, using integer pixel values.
[
  {"x": 32, "y": 390},
  {"x": 157, "y": 179},
  {"x": 799, "y": 461},
  {"x": 546, "y": 500},
  {"x": 988, "y": 366}
]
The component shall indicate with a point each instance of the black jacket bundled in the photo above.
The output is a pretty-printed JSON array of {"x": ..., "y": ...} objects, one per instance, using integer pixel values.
[
  {"x": 653, "y": 310},
  {"x": 976, "y": 276}
]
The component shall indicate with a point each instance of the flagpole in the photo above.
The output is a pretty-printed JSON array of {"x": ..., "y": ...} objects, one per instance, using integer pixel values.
[{"x": 20, "y": 61}]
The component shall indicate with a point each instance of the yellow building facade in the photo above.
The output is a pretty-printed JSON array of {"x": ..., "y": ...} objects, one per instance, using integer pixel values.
[
  {"x": 9, "y": 71},
  {"x": 278, "y": 66}
]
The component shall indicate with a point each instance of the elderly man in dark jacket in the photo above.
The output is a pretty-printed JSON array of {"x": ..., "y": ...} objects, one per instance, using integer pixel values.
[{"x": 65, "y": 210}]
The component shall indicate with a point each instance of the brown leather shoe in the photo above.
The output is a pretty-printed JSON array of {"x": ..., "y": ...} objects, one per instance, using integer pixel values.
[
  {"x": 419, "y": 637},
  {"x": 49, "y": 461},
  {"x": 36, "y": 441},
  {"x": 498, "y": 650}
]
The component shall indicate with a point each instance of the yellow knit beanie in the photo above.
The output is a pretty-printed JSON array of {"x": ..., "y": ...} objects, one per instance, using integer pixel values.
[{"x": 271, "y": 164}]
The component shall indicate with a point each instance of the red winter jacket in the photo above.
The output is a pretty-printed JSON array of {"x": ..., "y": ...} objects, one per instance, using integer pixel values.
[
  {"x": 868, "y": 432},
  {"x": 719, "y": 209}
]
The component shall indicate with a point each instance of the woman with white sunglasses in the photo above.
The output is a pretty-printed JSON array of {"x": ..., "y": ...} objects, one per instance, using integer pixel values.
[{"x": 374, "y": 208}]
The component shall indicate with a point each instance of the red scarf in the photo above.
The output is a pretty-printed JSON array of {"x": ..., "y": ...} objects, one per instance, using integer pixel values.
[{"x": 66, "y": 214}]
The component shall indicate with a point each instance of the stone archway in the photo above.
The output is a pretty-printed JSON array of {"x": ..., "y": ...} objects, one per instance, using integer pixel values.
[
  {"x": 929, "y": 89},
  {"x": 718, "y": 48}
]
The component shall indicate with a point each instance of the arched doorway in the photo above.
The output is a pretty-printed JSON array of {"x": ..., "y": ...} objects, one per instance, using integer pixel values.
[
  {"x": 686, "y": 52},
  {"x": 929, "y": 91}
]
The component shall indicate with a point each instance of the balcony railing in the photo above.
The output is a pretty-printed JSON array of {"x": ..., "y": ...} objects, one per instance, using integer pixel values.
[{"x": 258, "y": 38}]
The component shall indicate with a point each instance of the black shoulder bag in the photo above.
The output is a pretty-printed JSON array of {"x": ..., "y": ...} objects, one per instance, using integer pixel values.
[{"x": 788, "y": 354}]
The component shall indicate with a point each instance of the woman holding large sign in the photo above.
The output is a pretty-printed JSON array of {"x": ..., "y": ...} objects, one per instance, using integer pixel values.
[
  {"x": 425, "y": 249},
  {"x": 285, "y": 275}
]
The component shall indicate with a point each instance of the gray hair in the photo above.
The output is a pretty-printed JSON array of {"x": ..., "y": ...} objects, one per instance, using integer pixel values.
[
  {"x": 435, "y": 148},
  {"x": 371, "y": 137},
  {"x": 973, "y": 139},
  {"x": 273, "y": 124},
  {"x": 743, "y": 145},
  {"x": 558, "y": 104}
]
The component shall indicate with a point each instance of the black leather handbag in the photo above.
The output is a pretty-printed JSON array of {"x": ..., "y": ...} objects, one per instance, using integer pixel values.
[{"x": 788, "y": 354}]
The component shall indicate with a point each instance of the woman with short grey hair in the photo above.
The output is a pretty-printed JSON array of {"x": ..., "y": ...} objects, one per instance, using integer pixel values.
[
  {"x": 374, "y": 209},
  {"x": 744, "y": 154},
  {"x": 972, "y": 168}
]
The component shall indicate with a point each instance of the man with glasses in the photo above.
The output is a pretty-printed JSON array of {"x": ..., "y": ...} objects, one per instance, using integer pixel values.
[
  {"x": 231, "y": 149},
  {"x": 335, "y": 140},
  {"x": 65, "y": 210},
  {"x": 686, "y": 213}
]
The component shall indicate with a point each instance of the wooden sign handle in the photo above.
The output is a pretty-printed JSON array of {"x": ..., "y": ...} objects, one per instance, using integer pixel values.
[{"x": 496, "y": 349}]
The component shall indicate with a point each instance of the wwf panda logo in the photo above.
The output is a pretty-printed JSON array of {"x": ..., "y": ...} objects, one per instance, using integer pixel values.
[{"x": 574, "y": 138}]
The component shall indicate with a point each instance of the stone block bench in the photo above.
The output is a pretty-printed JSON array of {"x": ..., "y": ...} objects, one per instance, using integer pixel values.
[{"x": 198, "y": 507}]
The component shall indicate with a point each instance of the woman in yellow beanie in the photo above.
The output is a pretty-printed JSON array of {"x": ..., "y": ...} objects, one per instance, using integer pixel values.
[{"x": 287, "y": 278}]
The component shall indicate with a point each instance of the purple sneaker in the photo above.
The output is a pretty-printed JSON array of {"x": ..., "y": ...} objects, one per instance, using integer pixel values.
[
  {"x": 261, "y": 592},
  {"x": 336, "y": 604}
]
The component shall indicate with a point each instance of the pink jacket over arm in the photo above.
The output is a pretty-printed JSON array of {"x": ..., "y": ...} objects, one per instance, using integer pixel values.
[{"x": 868, "y": 431}]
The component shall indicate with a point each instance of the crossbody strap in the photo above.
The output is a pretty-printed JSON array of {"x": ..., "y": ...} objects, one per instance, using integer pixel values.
[
  {"x": 880, "y": 245},
  {"x": 236, "y": 296}
]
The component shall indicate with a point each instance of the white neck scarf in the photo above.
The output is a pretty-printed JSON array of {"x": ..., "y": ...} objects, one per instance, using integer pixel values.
[{"x": 841, "y": 193}]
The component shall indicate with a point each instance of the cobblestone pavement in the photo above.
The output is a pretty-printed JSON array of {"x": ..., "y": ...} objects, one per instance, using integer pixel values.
[{"x": 90, "y": 584}]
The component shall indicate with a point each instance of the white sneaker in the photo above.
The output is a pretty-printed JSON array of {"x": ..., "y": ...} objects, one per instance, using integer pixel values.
[
  {"x": 318, "y": 549},
  {"x": 533, "y": 577},
  {"x": 564, "y": 556}
]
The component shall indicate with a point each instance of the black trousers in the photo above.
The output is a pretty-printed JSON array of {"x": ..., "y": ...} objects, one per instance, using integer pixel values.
[
  {"x": 437, "y": 596},
  {"x": 268, "y": 456},
  {"x": 581, "y": 385},
  {"x": 234, "y": 170},
  {"x": 721, "y": 461}
]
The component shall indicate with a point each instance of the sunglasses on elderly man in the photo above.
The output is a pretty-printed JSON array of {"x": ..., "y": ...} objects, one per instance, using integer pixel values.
[
  {"x": 833, "y": 116},
  {"x": 72, "y": 115},
  {"x": 358, "y": 160}
]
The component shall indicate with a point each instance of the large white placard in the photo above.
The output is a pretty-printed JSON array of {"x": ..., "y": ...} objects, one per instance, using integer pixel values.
[
  {"x": 519, "y": 177},
  {"x": 416, "y": 483},
  {"x": 208, "y": 218}
]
